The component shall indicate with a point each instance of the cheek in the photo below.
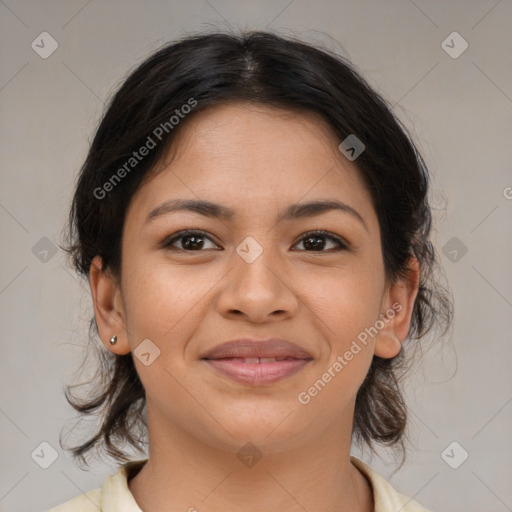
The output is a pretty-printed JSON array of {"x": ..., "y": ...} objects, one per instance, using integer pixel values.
[
  {"x": 162, "y": 305},
  {"x": 347, "y": 302},
  {"x": 162, "y": 302},
  {"x": 346, "y": 308}
]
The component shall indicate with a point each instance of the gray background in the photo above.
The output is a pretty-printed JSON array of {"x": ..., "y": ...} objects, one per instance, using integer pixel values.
[{"x": 460, "y": 113}]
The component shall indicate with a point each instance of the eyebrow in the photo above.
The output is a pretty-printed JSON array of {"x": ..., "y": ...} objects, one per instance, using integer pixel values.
[{"x": 218, "y": 211}]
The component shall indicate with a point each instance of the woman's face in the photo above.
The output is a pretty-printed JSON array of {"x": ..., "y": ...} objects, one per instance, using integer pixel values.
[{"x": 253, "y": 275}]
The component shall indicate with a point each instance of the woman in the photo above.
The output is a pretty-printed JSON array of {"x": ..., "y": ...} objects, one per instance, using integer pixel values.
[{"x": 254, "y": 225}]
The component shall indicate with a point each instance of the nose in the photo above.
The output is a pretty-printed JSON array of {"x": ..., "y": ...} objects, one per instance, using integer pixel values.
[{"x": 259, "y": 291}]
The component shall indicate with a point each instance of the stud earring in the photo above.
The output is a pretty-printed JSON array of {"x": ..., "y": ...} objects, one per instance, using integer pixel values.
[{"x": 113, "y": 339}]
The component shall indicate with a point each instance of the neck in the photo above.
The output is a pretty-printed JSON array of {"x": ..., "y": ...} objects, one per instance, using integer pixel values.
[{"x": 185, "y": 473}]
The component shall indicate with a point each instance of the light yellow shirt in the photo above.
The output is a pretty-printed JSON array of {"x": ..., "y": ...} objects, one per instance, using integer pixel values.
[{"x": 115, "y": 495}]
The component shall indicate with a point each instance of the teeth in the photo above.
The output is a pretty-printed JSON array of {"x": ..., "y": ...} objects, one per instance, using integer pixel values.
[{"x": 256, "y": 360}]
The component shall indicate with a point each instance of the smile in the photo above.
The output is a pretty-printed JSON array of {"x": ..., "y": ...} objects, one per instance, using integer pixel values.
[{"x": 258, "y": 370}]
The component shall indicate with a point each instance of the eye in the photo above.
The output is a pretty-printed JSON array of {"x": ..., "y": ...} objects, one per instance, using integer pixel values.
[
  {"x": 190, "y": 240},
  {"x": 314, "y": 241},
  {"x": 194, "y": 241}
]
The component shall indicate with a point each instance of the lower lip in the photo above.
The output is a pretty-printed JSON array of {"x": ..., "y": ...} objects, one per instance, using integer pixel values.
[{"x": 258, "y": 373}]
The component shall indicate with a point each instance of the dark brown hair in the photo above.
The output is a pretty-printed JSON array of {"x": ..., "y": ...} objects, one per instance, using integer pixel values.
[{"x": 263, "y": 68}]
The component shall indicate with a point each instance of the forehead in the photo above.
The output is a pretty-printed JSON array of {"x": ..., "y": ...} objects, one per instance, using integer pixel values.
[
  {"x": 240, "y": 130},
  {"x": 252, "y": 158}
]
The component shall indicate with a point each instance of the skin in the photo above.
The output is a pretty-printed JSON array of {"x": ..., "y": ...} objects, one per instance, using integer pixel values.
[{"x": 257, "y": 161}]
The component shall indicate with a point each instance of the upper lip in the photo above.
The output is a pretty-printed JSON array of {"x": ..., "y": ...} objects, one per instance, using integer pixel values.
[{"x": 247, "y": 348}]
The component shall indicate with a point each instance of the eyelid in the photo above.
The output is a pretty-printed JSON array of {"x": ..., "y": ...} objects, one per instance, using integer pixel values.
[
  {"x": 342, "y": 243},
  {"x": 183, "y": 233}
]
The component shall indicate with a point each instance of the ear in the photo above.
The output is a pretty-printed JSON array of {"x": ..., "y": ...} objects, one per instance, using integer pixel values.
[
  {"x": 396, "y": 313},
  {"x": 108, "y": 307}
]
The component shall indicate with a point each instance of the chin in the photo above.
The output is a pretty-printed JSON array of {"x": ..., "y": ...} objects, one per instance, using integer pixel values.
[{"x": 270, "y": 431}]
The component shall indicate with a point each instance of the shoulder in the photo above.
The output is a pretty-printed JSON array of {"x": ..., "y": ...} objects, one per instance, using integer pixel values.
[
  {"x": 385, "y": 497},
  {"x": 88, "y": 502},
  {"x": 113, "y": 496}
]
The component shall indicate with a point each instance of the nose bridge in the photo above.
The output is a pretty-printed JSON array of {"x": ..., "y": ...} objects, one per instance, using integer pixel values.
[
  {"x": 257, "y": 285},
  {"x": 258, "y": 267}
]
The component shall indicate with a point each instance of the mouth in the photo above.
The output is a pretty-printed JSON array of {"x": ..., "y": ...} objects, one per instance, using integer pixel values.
[
  {"x": 257, "y": 371},
  {"x": 258, "y": 362}
]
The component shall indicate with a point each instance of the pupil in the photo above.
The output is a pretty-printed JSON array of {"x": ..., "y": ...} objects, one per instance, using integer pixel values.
[
  {"x": 315, "y": 246},
  {"x": 195, "y": 240}
]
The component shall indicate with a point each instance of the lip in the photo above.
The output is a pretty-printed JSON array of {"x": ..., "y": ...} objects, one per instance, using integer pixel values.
[
  {"x": 247, "y": 348},
  {"x": 241, "y": 360}
]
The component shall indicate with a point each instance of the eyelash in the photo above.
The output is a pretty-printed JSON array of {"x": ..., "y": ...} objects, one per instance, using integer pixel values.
[{"x": 316, "y": 233}]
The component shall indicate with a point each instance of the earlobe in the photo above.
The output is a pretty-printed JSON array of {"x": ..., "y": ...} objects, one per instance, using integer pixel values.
[
  {"x": 398, "y": 304},
  {"x": 108, "y": 309},
  {"x": 387, "y": 345}
]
